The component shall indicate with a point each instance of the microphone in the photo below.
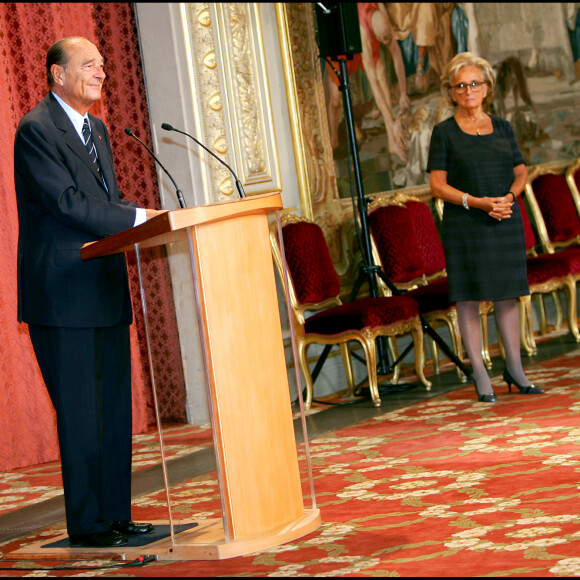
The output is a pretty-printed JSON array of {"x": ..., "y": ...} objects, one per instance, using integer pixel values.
[
  {"x": 169, "y": 127},
  {"x": 179, "y": 194}
]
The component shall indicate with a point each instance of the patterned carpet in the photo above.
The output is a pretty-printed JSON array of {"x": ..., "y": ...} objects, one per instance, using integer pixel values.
[
  {"x": 22, "y": 487},
  {"x": 448, "y": 487}
]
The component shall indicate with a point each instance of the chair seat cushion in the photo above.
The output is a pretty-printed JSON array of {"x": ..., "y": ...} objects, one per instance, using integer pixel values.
[
  {"x": 542, "y": 269},
  {"x": 572, "y": 257},
  {"x": 434, "y": 296},
  {"x": 363, "y": 313}
]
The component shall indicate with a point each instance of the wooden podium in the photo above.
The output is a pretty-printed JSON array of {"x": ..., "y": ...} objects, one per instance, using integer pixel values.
[{"x": 246, "y": 379}]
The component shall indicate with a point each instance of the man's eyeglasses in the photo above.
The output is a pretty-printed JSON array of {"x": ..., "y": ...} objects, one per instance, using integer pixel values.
[{"x": 475, "y": 86}]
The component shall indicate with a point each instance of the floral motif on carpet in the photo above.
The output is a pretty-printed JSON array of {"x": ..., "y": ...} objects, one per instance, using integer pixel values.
[{"x": 445, "y": 487}]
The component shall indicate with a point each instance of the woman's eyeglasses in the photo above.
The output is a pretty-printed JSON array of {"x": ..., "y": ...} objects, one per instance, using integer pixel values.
[{"x": 475, "y": 86}]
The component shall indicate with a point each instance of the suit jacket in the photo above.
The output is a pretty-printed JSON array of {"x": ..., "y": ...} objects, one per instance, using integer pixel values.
[{"x": 63, "y": 204}]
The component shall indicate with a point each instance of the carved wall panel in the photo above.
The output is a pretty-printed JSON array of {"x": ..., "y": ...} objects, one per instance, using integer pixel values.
[
  {"x": 306, "y": 92},
  {"x": 230, "y": 90}
]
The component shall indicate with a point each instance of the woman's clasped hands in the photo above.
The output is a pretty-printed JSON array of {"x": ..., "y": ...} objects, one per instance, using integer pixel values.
[{"x": 501, "y": 207}]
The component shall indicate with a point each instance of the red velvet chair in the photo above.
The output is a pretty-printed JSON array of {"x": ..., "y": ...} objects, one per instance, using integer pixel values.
[
  {"x": 314, "y": 286},
  {"x": 556, "y": 213},
  {"x": 553, "y": 208},
  {"x": 406, "y": 245},
  {"x": 547, "y": 274}
]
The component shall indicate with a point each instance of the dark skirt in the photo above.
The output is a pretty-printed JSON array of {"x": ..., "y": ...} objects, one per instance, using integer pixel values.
[{"x": 486, "y": 258}]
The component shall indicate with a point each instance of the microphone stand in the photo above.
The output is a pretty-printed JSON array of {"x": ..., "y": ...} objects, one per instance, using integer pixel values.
[
  {"x": 177, "y": 190},
  {"x": 368, "y": 271},
  {"x": 239, "y": 187}
]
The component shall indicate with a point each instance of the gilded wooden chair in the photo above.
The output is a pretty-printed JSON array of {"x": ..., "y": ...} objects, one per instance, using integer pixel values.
[
  {"x": 547, "y": 274},
  {"x": 406, "y": 245},
  {"x": 314, "y": 287},
  {"x": 552, "y": 197},
  {"x": 553, "y": 207}
]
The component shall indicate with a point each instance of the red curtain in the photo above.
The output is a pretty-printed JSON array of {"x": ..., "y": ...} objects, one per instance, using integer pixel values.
[{"x": 27, "y": 422}]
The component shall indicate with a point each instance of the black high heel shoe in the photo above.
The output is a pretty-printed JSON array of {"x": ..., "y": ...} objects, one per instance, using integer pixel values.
[
  {"x": 529, "y": 390},
  {"x": 487, "y": 398}
]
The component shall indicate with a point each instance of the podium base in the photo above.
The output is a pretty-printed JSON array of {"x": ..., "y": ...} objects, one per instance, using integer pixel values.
[{"x": 205, "y": 541}]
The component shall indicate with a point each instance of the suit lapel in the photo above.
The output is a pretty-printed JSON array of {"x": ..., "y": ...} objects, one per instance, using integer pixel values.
[{"x": 72, "y": 139}]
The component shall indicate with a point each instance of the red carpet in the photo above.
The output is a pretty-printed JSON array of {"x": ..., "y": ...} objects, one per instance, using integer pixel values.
[{"x": 449, "y": 487}]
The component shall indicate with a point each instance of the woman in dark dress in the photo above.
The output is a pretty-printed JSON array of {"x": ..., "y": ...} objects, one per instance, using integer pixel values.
[{"x": 478, "y": 170}]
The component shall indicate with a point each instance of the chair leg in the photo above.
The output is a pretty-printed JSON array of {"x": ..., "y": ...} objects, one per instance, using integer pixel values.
[
  {"x": 543, "y": 323},
  {"x": 456, "y": 342},
  {"x": 368, "y": 344},
  {"x": 572, "y": 308},
  {"x": 526, "y": 325},
  {"x": 559, "y": 314},
  {"x": 394, "y": 351},
  {"x": 485, "y": 340},
  {"x": 435, "y": 353},
  {"x": 347, "y": 362},
  {"x": 417, "y": 335},
  {"x": 304, "y": 367}
]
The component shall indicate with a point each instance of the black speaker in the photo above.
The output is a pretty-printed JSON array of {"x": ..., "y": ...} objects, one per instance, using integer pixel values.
[{"x": 337, "y": 29}]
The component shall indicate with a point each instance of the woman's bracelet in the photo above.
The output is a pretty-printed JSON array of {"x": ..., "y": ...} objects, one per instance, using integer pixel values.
[
  {"x": 464, "y": 201},
  {"x": 513, "y": 195}
]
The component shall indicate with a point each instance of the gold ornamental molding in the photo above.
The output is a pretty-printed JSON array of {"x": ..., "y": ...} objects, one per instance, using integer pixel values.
[
  {"x": 309, "y": 124},
  {"x": 231, "y": 95},
  {"x": 305, "y": 94}
]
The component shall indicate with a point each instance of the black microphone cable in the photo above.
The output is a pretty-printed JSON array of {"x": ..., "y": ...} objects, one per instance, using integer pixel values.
[{"x": 137, "y": 563}]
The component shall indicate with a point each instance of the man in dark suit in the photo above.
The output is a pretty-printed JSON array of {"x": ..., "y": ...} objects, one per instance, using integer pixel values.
[{"x": 78, "y": 312}]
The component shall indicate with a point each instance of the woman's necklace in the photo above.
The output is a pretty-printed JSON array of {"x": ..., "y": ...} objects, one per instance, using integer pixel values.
[{"x": 475, "y": 123}]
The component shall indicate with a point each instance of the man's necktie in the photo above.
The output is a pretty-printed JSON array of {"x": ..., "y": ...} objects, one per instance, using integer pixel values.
[{"x": 90, "y": 145}]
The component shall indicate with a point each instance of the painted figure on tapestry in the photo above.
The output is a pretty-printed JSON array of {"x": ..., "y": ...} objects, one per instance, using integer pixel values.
[{"x": 404, "y": 47}]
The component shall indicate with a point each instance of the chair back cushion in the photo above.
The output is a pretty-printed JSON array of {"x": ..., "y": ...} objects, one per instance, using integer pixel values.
[
  {"x": 396, "y": 241},
  {"x": 557, "y": 207},
  {"x": 577, "y": 179},
  {"x": 528, "y": 230},
  {"x": 309, "y": 262},
  {"x": 427, "y": 236}
]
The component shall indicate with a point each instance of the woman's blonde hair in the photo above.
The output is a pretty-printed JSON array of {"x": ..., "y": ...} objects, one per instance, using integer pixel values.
[{"x": 460, "y": 61}]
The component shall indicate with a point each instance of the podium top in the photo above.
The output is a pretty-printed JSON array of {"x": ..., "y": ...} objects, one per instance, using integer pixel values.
[{"x": 167, "y": 227}]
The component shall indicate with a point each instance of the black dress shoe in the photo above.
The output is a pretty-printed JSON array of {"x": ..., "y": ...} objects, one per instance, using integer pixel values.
[
  {"x": 108, "y": 539},
  {"x": 530, "y": 389},
  {"x": 130, "y": 528},
  {"x": 485, "y": 398}
]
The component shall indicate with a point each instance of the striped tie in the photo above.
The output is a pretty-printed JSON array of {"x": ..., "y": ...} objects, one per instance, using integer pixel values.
[{"x": 90, "y": 145}]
